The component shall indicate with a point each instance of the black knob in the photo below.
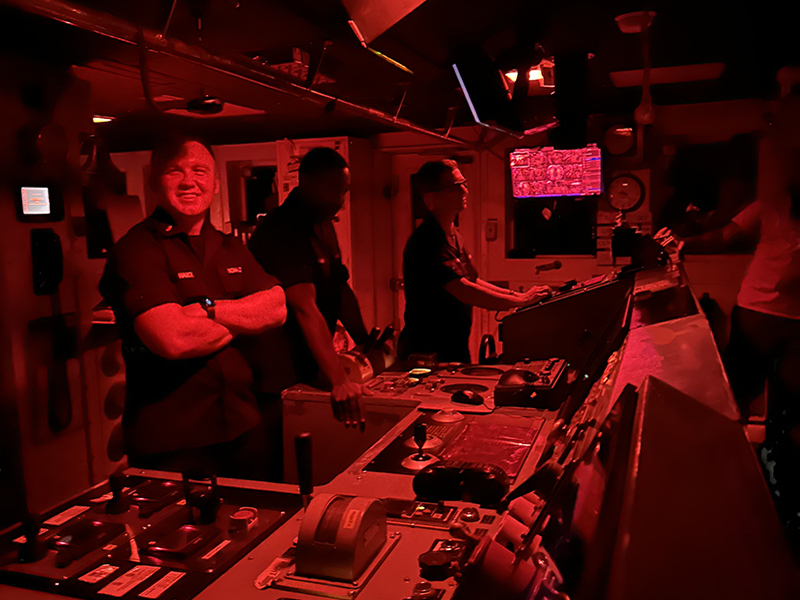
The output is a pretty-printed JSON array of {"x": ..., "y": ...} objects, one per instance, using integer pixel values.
[
  {"x": 31, "y": 549},
  {"x": 436, "y": 483},
  {"x": 435, "y": 566},
  {"x": 302, "y": 449},
  {"x": 207, "y": 503},
  {"x": 424, "y": 590},
  {"x": 420, "y": 437},
  {"x": 119, "y": 502}
]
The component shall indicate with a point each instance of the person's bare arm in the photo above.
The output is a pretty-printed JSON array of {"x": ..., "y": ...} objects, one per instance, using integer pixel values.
[
  {"x": 178, "y": 332},
  {"x": 493, "y": 288},
  {"x": 711, "y": 242},
  {"x": 345, "y": 395},
  {"x": 744, "y": 226},
  {"x": 536, "y": 290},
  {"x": 254, "y": 313},
  {"x": 493, "y": 297},
  {"x": 718, "y": 240}
]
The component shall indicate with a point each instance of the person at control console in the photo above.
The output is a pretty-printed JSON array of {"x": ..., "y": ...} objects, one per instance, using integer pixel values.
[
  {"x": 297, "y": 243},
  {"x": 441, "y": 283}
]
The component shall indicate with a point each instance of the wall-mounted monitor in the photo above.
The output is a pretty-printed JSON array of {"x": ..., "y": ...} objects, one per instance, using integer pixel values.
[
  {"x": 40, "y": 202},
  {"x": 546, "y": 172}
]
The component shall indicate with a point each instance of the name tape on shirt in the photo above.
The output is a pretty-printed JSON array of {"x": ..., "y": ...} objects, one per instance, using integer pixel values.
[
  {"x": 186, "y": 275},
  {"x": 233, "y": 270}
]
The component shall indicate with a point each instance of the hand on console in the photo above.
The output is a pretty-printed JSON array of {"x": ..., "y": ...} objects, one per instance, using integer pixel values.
[
  {"x": 348, "y": 404},
  {"x": 671, "y": 242},
  {"x": 536, "y": 293}
]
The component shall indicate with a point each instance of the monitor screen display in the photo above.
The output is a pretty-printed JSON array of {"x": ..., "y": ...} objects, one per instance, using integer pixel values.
[
  {"x": 35, "y": 201},
  {"x": 542, "y": 172}
]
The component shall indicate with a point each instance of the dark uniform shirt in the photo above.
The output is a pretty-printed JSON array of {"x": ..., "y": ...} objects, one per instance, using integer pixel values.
[
  {"x": 435, "y": 320},
  {"x": 188, "y": 403},
  {"x": 297, "y": 248}
]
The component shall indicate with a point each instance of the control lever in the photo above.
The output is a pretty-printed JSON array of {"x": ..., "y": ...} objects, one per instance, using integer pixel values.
[
  {"x": 378, "y": 357},
  {"x": 32, "y": 549},
  {"x": 371, "y": 340},
  {"x": 207, "y": 502},
  {"x": 420, "y": 437},
  {"x": 487, "y": 354},
  {"x": 302, "y": 449},
  {"x": 462, "y": 531},
  {"x": 119, "y": 502},
  {"x": 551, "y": 266},
  {"x": 387, "y": 334},
  {"x": 419, "y": 460}
]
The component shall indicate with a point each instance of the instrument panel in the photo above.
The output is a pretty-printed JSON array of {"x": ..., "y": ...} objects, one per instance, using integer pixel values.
[{"x": 137, "y": 537}]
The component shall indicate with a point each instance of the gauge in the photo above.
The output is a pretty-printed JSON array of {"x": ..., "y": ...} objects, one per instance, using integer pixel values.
[
  {"x": 625, "y": 193},
  {"x": 619, "y": 139}
]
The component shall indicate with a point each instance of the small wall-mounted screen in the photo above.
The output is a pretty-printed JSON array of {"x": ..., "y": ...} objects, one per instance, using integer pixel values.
[
  {"x": 543, "y": 172},
  {"x": 35, "y": 201}
]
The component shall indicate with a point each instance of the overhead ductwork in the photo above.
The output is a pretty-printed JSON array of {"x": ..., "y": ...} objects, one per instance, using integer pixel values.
[{"x": 113, "y": 27}]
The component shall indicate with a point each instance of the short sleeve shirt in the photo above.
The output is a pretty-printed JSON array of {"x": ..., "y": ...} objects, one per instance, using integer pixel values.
[
  {"x": 772, "y": 282},
  {"x": 294, "y": 247},
  {"x": 435, "y": 320},
  {"x": 181, "y": 404}
]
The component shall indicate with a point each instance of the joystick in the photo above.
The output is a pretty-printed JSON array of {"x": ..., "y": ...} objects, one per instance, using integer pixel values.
[
  {"x": 420, "y": 460},
  {"x": 420, "y": 437},
  {"x": 302, "y": 449}
]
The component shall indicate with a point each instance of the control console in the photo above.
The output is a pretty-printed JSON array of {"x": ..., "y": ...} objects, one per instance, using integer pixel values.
[{"x": 139, "y": 537}]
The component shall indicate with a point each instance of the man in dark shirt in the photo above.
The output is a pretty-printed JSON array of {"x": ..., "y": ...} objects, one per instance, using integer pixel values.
[
  {"x": 183, "y": 294},
  {"x": 440, "y": 282},
  {"x": 297, "y": 243}
]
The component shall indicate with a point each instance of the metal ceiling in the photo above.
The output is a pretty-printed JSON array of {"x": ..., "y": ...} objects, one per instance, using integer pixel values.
[{"x": 364, "y": 94}]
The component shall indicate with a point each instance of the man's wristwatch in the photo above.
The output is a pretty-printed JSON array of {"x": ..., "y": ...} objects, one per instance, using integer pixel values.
[{"x": 208, "y": 305}]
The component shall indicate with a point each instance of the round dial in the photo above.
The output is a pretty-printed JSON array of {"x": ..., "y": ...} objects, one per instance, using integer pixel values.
[{"x": 625, "y": 193}]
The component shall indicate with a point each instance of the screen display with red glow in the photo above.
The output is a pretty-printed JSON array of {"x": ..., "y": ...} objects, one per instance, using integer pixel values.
[
  {"x": 541, "y": 172},
  {"x": 35, "y": 201}
]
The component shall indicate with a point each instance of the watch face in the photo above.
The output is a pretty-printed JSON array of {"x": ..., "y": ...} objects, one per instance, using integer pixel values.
[{"x": 625, "y": 193}]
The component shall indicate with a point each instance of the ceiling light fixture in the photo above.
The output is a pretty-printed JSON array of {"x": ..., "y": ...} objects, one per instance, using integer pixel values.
[
  {"x": 100, "y": 119},
  {"x": 535, "y": 74}
]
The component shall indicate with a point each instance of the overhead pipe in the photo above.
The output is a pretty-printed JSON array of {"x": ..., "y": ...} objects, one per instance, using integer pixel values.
[{"x": 124, "y": 31}]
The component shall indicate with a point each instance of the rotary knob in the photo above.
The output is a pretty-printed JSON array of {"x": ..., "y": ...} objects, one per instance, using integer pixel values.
[
  {"x": 435, "y": 566},
  {"x": 470, "y": 515},
  {"x": 423, "y": 590}
]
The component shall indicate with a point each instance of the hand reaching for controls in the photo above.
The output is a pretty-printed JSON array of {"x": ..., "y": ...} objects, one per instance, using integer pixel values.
[
  {"x": 347, "y": 401},
  {"x": 669, "y": 240}
]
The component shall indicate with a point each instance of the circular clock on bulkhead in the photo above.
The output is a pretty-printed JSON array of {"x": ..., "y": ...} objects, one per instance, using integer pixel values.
[{"x": 625, "y": 193}]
